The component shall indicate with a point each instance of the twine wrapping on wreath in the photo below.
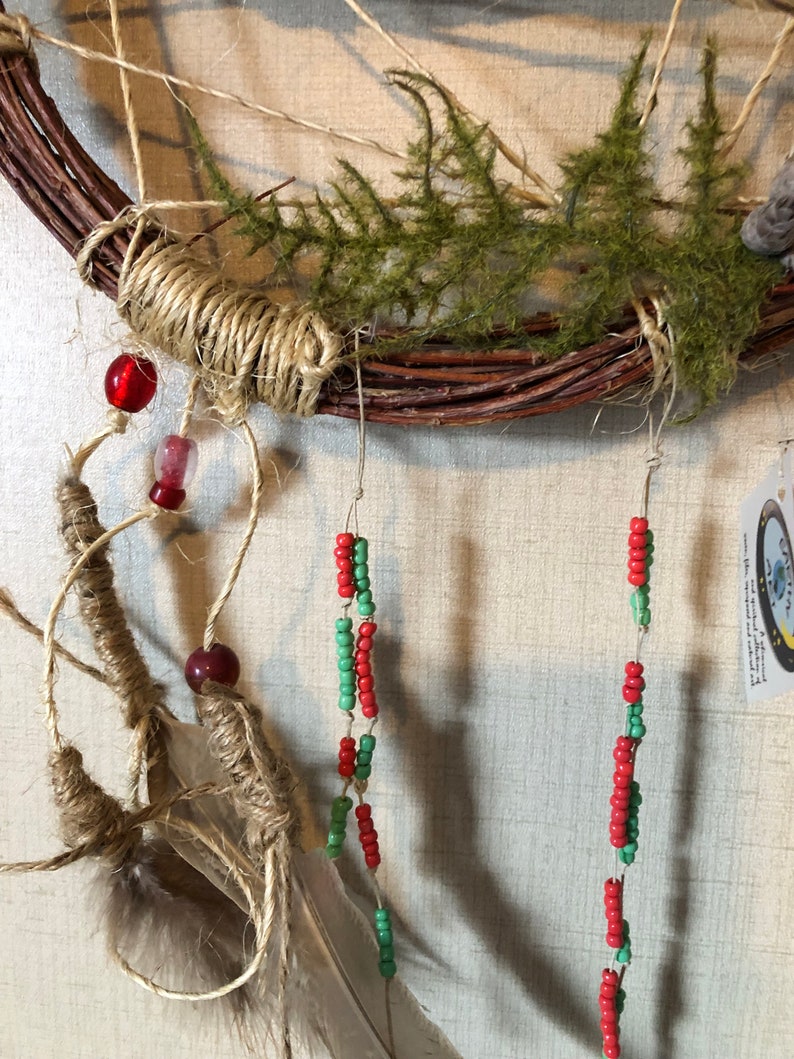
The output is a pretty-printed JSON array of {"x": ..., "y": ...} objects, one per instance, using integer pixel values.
[{"x": 243, "y": 346}]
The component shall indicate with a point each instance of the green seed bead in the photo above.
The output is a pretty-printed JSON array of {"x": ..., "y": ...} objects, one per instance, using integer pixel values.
[
  {"x": 344, "y": 650},
  {"x": 339, "y": 812},
  {"x": 360, "y": 550},
  {"x": 388, "y": 968},
  {"x": 364, "y": 757},
  {"x": 335, "y": 838},
  {"x": 385, "y": 937},
  {"x": 338, "y": 827},
  {"x": 345, "y": 638},
  {"x": 625, "y": 858},
  {"x": 344, "y": 801},
  {"x": 638, "y": 731},
  {"x": 386, "y": 952},
  {"x": 645, "y": 618},
  {"x": 620, "y": 1001},
  {"x": 345, "y": 664},
  {"x": 333, "y": 851},
  {"x": 347, "y": 702},
  {"x": 363, "y": 583},
  {"x": 366, "y": 610},
  {"x": 382, "y": 915},
  {"x": 365, "y": 596},
  {"x": 649, "y": 537},
  {"x": 630, "y": 849},
  {"x": 623, "y": 956},
  {"x": 344, "y": 624},
  {"x": 363, "y": 772},
  {"x": 347, "y": 679},
  {"x": 635, "y": 801},
  {"x": 637, "y": 708},
  {"x": 362, "y": 570},
  {"x": 367, "y": 742}
]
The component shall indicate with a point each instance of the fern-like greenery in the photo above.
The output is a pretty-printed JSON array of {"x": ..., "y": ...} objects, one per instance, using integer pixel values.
[{"x": 457, "y": 251}]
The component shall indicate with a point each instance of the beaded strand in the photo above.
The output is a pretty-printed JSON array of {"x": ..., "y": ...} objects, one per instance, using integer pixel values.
[{"x": 626, "y": 798}]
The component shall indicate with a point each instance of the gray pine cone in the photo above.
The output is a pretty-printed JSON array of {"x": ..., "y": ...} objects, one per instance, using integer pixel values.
[{"x": 769, "y": 229}]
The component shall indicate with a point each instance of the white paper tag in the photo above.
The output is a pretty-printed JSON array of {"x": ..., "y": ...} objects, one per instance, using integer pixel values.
[{"x": 766, "y": 604}]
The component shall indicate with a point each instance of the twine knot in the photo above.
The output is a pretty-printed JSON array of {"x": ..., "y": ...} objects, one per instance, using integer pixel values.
[
  {"x": 243, "y": 346},
  {"x": 16, "y": 35}
]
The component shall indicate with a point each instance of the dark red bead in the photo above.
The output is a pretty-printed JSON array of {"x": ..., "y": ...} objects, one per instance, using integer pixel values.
[
  {"x": 367, "y": 628},
  {"x": 370, "y": 711},
  {"x": 220, "y": 664},
  {"x": 346, "y": 768},
  {"x": 130, "y": 382},
  {"x": 345, "y": 540},
  {"x": 167, "y": 498},
  {"x": 362, "y": 658},
  {"x": 365, "y": 826},
  {"x": 364, "y": 811},
  {"x": 347, "y": 742},
  {"x": 368, "y": 838},
  {"x": 347, "y": 756},
  {"x": 372, "y": 860}
]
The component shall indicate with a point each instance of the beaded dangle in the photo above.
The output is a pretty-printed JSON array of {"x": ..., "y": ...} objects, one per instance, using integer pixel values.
[
  {"x": 357, "y": 681},
  {"x": 626, "y": 799}
]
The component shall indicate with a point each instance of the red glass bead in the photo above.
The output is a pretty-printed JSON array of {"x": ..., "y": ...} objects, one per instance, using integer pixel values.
[
  {"x": 347, "y": 755},
  {"x": 611, "y": 903},
  {"x": 607, "y": 1026},
  {"x": 368, "y": 838},
  {"x": 639, "y": 525},
  {"x": 635, "y": 682},
  {"x": 637, "y": 540},
  {"x": 175, "y": 461},
  {"x": 613, "y": 887},
  {"x": 631, "y": 695},
  {"x": 346, "y": 768},
  {"x": 367, "y": 698},
  {"x": 624, "y": 742},
  {"x": 345, "y": 566},
  {"x": 347, "y": 591},
  {"x": 361, "y": 657},
  {"x": 363, "y": 669},
  {"x": 370, "y": 711},
  {"x": 637, "y": 566},
  {"x": 364, "y": 811},
  {"x": 624, "y": 768},
  {"x": 606, "y": 1005},
  {"x": 609, "y": 1040},
  {"x": 620, "y": 800},
  {"x": 345, "y": 540},
  {"x": 612, "y": 1051},
  {"x": 621, "y": 755},
  {"x": 366, "y": 683},
  {"x": 617, "y": 829},
  {"x": 608, "y": 990},
  {"x": 220, "y": 664},
  {"x": 637, "y": 555},
  {"x": 637, "y": 579},
  {"x": 347, "y": 742},
  {"x": 372, "y": 860},
  {"x": 367, "y": 628},
  {"x": 130, "y": 382},
  {"x": 168, "y": 499},
  {"x": 618, "y": 841},
  {"x": 364, "y": 643},
  {"x": 634, "y": 669},
  {"x": 610, "y": 976},
  {"x": 619, "y": 816},
  {"x": 343, "y": 553},
  {"x": 614, "y": 915},
  {"x": 365, "y": 826},
  {"x": 344, "y": 579},
  {"x": 609, "y": 1016}
]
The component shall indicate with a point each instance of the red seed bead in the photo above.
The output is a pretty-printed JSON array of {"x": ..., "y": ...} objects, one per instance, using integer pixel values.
[
  {"x": 364, "y": 643},
  {"x": 637, "y": 579},
  {"x": 168, "y": 499},
  {"x": 606, "y": 1005},
  {"x": 624, "y": 768},
  {"x": 347, "y": 756},
  {"x": 618, "y": 841},
  {"x": 347, "y": 742},
  {"x": 637, "y": 555},
  {"x": 366, "y": 683},
  {"x": 614, "y": 915},
  {"x": 220, "y": 664},
  {"x": 638, "y": 525},
  {"x": 365, "y": 826},
  {"x": 611, "y": 903},
  {"x": 367, "y": 698},
  {"x": 613, "y": 887},
  {"x": 343, "y": 553},
  {"x": 370, "y": 711},
  {"x": 617, "y": 829},
  {"x": 635, "y": 682},
  {"x": 345, "y": 540},
  {"x": 634, "y": 669},
  {"x": 607, "y": 1025},
  {"x": 363, "y": 669},
  {"x": 130, "y": 382},
  {"x": 621, "y": 755},
  {"x": 637, "y": 566},
  {"x": 347, "y": 591},
  {"x": 346, "y": 768},
  {"x": 367, "y": 628},
  {"x": 624, "y": 742},
  {"x": 631, "y": 695},
  {"x": 621, "y": 780},
  {"x": 620, "y": 800},
  {"x": 345, "y": 579},
  {"x": 372, "y": 859},
  {"x": 361, "y": 657},
  {"x": 609, "y": 1016},
  {"x": 610, "y": 976},
  {"x": 608, "y": 990},
  {"x": 368, "y": 838},
  {"x": 364, "y": 811},
  {"x": 610, "y": 1039},
  {"x": 345, "y": 566},
  {"x": 637, "y": 540},
  {"x": 612, "y": 1051},
  {"x": 619, "y": 816}
]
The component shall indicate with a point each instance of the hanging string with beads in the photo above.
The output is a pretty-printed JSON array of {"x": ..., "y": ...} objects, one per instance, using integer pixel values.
[
  {"x": 626, "y": 798},
  {"x": 357, "y": 681}
]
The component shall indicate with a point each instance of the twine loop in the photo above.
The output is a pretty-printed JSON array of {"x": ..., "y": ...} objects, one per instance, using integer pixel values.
[
  {"x": 16, "y": 35},
  {"x": 242, "y": 345}
]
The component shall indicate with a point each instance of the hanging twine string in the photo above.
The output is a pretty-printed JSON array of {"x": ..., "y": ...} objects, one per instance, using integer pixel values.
[{"x": 650, "y": 102}]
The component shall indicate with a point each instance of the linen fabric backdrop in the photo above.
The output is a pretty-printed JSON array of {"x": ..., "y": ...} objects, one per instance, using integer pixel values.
[{"x": 497, "y": 558}]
